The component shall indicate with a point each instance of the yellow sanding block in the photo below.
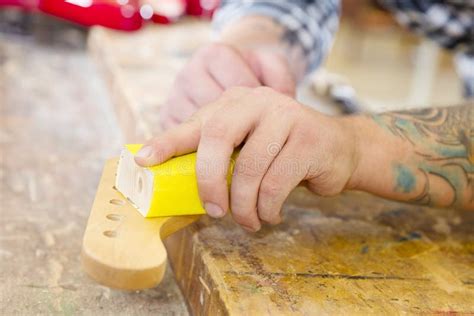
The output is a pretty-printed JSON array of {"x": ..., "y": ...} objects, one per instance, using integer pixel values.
[
  {"x": 122, "y": 247},
  {"x": 169, "y": 189}
]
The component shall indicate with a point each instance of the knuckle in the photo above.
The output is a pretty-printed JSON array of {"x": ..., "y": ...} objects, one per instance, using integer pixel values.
[
  {"x": 205, "y": 186},
  {"x": 241, "y": 198},
  {"x": 204, "y": 180},
  {"x": 268, "y": 212},
  {"x": 247, "y": 168},
  {"x": 193, "y": 119},
  {"x": 244, "y": 217},
  {"x": 269, "y": 189},
  {"x": 282, "y": 103},
  {"x": 263, "y": 90},
  {"x": 235, "y": 91},
  {"x": 214, "y": 129},
  {"x": 271, "y": 217},
  {"x": 244, "y": 212},
  {"x": 263, "y": 93},
  {"x": 208, "y": 173},
  {"x": 238, "y": 200},
  {"x": 290, "y": 108}
]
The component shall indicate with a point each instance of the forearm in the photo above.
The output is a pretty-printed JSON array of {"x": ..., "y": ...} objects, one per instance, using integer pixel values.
[
  {"x": 420, "y": 156},
  {"x": 263, "y": 33}
]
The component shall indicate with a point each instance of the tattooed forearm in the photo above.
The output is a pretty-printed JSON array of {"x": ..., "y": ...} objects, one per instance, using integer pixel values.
[{"x": 442, "y": 141}]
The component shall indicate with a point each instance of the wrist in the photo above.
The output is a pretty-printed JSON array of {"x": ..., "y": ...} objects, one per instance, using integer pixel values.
[
  {"x": 252, "y": 32},
  {"x": 261, "y": 35},
  {"x": 376, "y": 152},
  {"x": 361, "y": 129}
]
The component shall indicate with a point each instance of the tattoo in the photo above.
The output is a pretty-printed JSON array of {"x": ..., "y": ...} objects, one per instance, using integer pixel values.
[
  {"x": 405, "y": 179},
  {"x": 444, "y": 140}
]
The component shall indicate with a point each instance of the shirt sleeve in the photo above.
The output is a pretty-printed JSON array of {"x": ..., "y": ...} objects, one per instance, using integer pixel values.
[
  {"x": 449, "y": 23},
  {"x": 308, "y": 23}
]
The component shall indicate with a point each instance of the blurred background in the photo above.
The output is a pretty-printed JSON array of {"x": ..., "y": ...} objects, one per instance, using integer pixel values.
[
  {"x": 386, "y": 65},
  {"x": 72, "y": 93}
]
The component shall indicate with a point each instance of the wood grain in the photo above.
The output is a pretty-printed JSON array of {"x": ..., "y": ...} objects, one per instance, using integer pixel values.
[
  {"x": 121, "y": 249},
  {"x": 57, "y": 128},
  {"x": 352, "y": 254}
]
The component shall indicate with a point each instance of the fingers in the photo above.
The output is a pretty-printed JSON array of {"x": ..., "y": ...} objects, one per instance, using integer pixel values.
[
  {"x": 274, "y": 72},
  {"x": 212, "y": 164},
  {"x": 252, "y": 163},
  {"x": 199, "y": 85},
  {"x": 229, "y": 68},
  {"x": 193, "y": 88},
  {"x": 177, "y": 141},
  {"x": 178, "y": 108},
  {"x": 284, "y": 174},
  {"x": 203, "y": 80},
  {"x": 263, "y": 175},
  {"x": 220, "y": 134}
]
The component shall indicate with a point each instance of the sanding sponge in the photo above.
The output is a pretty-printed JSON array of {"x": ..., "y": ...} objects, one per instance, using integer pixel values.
[{"x": 169, "y": 189}]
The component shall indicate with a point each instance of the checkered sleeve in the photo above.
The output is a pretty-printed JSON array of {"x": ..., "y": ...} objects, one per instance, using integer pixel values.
[
  {"x": 450, "y": 23},
  {"x": 309, "y": 23}
]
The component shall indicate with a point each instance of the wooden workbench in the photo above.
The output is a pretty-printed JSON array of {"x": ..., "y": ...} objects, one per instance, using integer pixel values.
[
  {"x": 56, "y": 130},
  {"x": 351, "y": 254}
]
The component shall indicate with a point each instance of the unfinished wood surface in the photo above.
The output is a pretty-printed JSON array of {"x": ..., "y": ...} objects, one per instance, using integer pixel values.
[
  {"x": 122, "y": 249},
  {"x": 350, "y": 254},
  {"x": 353, "y": 254},
  {"x": 57, "y": 129}
]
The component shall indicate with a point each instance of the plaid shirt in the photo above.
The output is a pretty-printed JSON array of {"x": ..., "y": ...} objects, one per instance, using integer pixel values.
[{"x": 313, "y": 24}]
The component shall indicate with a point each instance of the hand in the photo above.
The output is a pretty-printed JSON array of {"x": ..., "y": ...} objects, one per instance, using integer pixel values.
[
  {"x": 286, "y": 143},
  {"x": 217, "y": 67}
]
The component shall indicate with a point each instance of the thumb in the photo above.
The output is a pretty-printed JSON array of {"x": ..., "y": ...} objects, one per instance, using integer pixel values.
[{"x": 273, "y": 71}]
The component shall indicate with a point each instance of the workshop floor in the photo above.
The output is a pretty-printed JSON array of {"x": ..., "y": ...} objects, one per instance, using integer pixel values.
[
  {"x": 57, "y": 128},
  {"x": 393, "y": 69}
]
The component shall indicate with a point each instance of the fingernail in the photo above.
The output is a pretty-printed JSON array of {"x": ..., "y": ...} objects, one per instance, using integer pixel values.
[
  {"x": 251, "y": 229},
  {"x": 213, "y": 210},
  {"x": 144, "y": 152}
]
